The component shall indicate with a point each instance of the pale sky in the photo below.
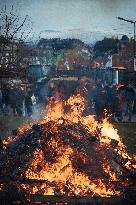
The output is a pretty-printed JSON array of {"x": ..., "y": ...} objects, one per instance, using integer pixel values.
[{"x": 89, "y": 20}]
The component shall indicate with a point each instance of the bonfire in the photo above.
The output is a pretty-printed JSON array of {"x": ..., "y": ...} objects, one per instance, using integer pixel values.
[{"x": 67, "y": 154}]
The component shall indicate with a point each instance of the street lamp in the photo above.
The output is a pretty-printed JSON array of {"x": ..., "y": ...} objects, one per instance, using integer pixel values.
[{"x": 134, "y": 23}]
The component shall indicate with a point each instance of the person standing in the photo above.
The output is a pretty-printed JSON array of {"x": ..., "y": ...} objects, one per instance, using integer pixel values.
[
  {"x": 12, "y": 97},
  {"x": 129, "y": 97},
  {"x": 5, "y": 99},
  {"x": 28, "y": 104},
  {"x": 84, "y": 89},
  {"x": 19, "y": 101},
  {"x": 16, "y": 96},
  {"x": 112, "y": 100},
  {"x": 99, "y": 102}
]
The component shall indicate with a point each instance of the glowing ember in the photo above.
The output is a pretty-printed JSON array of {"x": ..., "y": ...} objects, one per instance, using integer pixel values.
[{"x": 72, "y": 154}]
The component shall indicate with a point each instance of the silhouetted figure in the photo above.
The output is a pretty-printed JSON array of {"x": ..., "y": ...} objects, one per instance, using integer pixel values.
[
  {"x": 129, "y": 97},
  {"x": 1, "y": 144},
  {"x": 28, "y": 104}
]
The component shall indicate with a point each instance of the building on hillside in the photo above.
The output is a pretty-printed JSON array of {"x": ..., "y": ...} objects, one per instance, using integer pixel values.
[
  {"x": 126, "y": 53},
  {"x": 65, "y": 54}
]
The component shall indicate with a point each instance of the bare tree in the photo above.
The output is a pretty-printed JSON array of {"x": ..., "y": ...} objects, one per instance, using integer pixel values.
[{"x": 14, "y": 31}]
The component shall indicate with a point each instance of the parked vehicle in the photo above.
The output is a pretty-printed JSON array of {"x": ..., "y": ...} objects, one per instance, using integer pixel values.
[{"x": 34, "y": 72}]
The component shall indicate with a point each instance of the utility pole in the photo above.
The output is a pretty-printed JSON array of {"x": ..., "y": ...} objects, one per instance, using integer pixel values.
[{"x": 134, "y": 23}]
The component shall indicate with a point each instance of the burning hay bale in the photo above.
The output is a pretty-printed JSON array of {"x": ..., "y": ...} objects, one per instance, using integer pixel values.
[{"x": 67, "y": 154}]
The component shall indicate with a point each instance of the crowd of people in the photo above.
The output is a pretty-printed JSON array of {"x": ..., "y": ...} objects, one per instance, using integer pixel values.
[
  {"x": 100, "y": 98},
  {"x": 109, "y": 99},
  {"x": 15, "y": 101}
]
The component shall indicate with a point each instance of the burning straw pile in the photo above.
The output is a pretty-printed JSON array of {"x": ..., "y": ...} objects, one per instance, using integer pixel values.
[{"x": 66, "y": 154}]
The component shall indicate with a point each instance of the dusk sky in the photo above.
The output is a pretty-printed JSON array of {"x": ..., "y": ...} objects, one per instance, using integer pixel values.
[{"x": 89, "y": 20}]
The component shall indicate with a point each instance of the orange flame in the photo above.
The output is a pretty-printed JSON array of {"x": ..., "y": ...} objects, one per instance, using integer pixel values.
[{"x": 61, "y": 172}]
